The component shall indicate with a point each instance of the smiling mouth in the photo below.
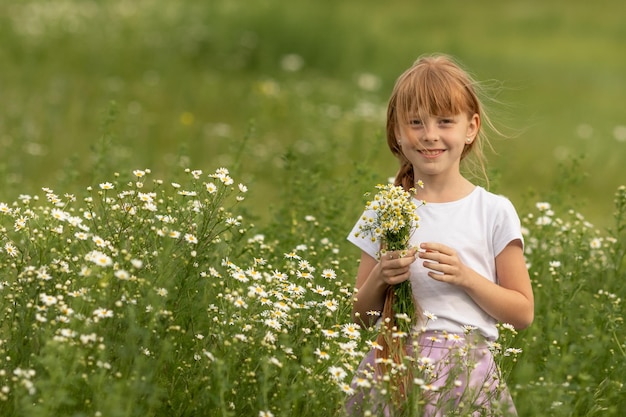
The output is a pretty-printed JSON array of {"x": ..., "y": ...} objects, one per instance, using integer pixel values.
[{"x": 431, "y": 153}]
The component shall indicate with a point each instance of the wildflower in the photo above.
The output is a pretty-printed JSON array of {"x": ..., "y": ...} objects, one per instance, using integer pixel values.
[
  {"x": 102, "y": 313},
  {"x": 48, "y": 299},
  {"x": 186, "y": 193},
  {"x": 337, "y": 372},
  {"x": 329, "y": 274},
  {"x": 42, "y": 274},
  {"x": 191, "y": 238},
  {"x": 275, "y": 361},
  {"x": 282, "y": 306},
  {"x": 59, "y": 214},
  {"x": 65, "y": 310},
  {"x": 362, "y": 382},
  {"x": 256, "y": 291},
  {"x": 239, "y": 276},
  {"x": 240, "y": 303},
  {"x": 350, "y": 348},
  {"x": 265, "y": 413},
  {"x": 280, "y": 276},
  {"x": 243, "y": 188},
  {"x": 273, "y": 323},
  {"x": 304, "y": 274},
  {"x": 346, "y": 388},
  {"x": 596, "y": 243},
  {"x": 543, "y": 221},
  {"x": 231, "y": 221},
  {"x": 332, "y": 305},
  {"x": 10, "y": 249},
  {"x": 399, "y": 334},
  {"x": 20, "y": 223},
  {"x": 543, "y": 206},
  {"x": 321, "y": 290},
  {"x": 139, "y": 173},
  {"x": 99, "y": 258},
  {"x": 295, "y": 289},
  {"x": 329, "y": 333},
  {"x": 106, "y": 186},
  {"x": 162, "y": 292},
  {"x": 67, "y": 333},
  {"x": 145, "y": 197},
  {"x": 512, "y": 352},
  {"x": 351, "y": 330},
  {"x": 430, "y": 316},
  {"x": 122, "y": 274},
  {"x": 4, "y": 208},
  {"x": 322, "y": 354},
  {"x": 211, "y": 188},
  {"x": 304, "y": 264},
  {"x": 374, "y": 345}
]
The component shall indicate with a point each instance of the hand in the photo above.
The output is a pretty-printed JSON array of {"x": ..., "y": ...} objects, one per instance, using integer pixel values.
[
  {"x": 444, "y": 263},
  {"x": 395, "y": 268}
]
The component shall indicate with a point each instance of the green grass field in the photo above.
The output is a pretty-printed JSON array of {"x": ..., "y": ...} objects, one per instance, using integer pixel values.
[{"x": 291, "y": 98}]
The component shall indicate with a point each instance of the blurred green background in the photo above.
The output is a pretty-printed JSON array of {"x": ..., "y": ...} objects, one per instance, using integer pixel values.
[{"x": 253, "y": 85}]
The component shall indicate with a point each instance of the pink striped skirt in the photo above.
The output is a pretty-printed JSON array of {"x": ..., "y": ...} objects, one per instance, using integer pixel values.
[{"x": 447, "y": 375}]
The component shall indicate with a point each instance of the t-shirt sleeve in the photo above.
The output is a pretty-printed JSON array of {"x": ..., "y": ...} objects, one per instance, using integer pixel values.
[
  {"x": 363, "y": 240},
  {"x": 507, "y": 226}
]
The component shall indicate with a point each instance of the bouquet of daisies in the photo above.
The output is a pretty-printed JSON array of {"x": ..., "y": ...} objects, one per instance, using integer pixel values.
[
  {"x": 394, "y": 219},
  {"x": 391, "y": 218}
]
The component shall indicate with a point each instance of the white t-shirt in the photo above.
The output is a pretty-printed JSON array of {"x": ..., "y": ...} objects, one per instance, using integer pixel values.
[{"x": 478, "y": 227}]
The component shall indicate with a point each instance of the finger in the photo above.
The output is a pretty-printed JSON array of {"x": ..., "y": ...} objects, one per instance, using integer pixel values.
[
  {"x": 432, "y": 256},
  {"x": 434, "y": 247},
  {"x": 433, "y": 266},
  {"x": 438, "y": 276}
]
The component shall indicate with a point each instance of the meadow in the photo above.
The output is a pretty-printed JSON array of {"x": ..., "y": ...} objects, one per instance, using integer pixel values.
[{"x": 180, "y": 177}]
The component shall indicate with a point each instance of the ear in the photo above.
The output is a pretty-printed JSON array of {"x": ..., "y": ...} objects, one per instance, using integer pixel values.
[
  {"x": 473, "y": 127},
  {"x": 398, "y": 135}
]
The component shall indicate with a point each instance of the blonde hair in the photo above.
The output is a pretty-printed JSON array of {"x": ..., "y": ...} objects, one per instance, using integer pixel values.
[{"x": 437, "y": 85}]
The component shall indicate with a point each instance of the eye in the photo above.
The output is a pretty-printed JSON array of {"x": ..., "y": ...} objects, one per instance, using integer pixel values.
[{"x": 415, "y": 122}]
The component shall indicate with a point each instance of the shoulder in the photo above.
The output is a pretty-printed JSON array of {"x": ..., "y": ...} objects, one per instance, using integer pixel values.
[{"x": 494, "y": 201}]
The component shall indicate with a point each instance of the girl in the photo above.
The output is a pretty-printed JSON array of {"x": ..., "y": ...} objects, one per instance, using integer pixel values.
[{"x": 469, "y": 272}]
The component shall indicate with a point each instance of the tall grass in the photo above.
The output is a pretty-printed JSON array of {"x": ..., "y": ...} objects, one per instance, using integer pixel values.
[{"x": 154, "y": 296}]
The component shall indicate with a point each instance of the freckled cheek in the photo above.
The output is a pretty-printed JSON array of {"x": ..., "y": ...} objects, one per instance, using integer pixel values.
[{"x": 408, "y": 143}]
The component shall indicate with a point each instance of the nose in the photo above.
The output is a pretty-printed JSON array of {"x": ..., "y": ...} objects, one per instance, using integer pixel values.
[{"x": 430, "y": 131}]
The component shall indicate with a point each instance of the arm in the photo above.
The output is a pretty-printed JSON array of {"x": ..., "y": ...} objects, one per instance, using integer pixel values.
[
  {"x": 510, "y": 301},
  {"x": 373, "y": 279}
]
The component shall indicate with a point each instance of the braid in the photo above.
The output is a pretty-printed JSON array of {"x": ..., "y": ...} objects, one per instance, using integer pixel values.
[{"x": 405, "y": 176}]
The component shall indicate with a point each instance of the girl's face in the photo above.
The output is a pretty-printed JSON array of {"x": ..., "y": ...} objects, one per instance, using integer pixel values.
[{"x": 434, "y": 145}]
